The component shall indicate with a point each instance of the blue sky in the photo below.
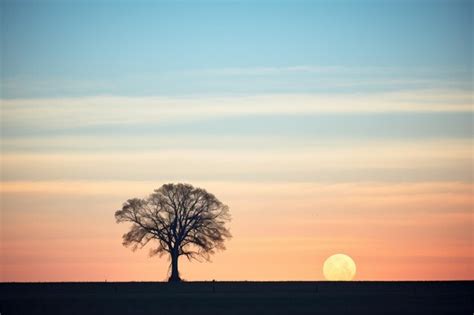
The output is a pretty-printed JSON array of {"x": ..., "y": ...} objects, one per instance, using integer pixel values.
[
  {"x": 354, "y": 70},
  {"x": 81, "y": 48}
]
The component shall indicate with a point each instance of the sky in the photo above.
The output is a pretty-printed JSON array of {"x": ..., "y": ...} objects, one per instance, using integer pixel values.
[{"x": 326, "y": 126}]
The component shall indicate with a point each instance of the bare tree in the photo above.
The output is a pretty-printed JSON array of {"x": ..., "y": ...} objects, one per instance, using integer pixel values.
[{"x": 184, "y": 220}]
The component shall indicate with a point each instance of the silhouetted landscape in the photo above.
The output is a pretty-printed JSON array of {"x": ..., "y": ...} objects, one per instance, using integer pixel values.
[{"x": 427, "y": 297}]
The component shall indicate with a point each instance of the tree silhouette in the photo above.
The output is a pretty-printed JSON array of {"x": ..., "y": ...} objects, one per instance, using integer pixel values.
[{"x": 184, "y": 220}]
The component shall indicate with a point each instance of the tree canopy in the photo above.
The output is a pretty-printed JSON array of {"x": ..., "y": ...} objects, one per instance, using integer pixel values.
[{"x": 183, "y": 220}]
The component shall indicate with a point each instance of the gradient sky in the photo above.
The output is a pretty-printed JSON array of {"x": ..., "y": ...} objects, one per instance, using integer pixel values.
[{"x": 326, "y": 126}]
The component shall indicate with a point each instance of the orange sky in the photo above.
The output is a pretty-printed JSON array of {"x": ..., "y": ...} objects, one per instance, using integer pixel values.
[{"x": 65, "y": 231}]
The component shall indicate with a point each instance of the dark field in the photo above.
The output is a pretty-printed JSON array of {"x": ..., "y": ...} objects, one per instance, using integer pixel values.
[{"x": 453, "y": 297}]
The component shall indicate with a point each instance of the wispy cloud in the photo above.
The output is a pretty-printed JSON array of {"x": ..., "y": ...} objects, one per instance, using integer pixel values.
[
  {"x": 265, "y": 71},
  {"x": 337, "y": 70},
  {"x": 243, "y": 80},
  {"x": 83, "y": 111},
  {"x": 388, "y": 162}
]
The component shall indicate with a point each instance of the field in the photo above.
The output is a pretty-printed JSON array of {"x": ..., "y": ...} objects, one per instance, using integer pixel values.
[{"x": 450, "y": 297}]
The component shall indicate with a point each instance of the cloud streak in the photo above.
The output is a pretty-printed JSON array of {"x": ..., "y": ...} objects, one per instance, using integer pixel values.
[
  {"x": 376, "y": 161},
  {"x": 106, "y": 110}
]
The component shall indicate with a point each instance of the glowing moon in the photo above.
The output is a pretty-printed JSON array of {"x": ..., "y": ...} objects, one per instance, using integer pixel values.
[{"x": 339, "y": 267}]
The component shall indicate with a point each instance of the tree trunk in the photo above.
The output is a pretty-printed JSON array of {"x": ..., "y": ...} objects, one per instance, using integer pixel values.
[{"x": 174, "y": 268}]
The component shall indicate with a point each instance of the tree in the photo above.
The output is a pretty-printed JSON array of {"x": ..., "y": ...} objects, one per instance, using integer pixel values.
[{"x": 184, "y": 220}]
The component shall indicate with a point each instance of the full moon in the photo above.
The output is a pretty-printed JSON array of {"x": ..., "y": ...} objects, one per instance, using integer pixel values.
[{"x": 339, "y": 267}]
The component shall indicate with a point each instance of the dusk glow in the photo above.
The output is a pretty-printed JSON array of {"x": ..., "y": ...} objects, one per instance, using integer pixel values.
[{"x": 321, "y": 137}]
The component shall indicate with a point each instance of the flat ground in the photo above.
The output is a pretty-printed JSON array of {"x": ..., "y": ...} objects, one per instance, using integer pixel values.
[{"x": 452, "y": 297}]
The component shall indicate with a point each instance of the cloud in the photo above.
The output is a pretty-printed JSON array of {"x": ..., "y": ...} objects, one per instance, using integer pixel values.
[
  {"x": 102, "y": 110},
  {"x": 376, "y": 161},
  {"x": 266, "y": 71},
  {"x": 243, "y": 80}
]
